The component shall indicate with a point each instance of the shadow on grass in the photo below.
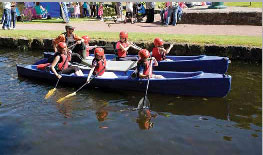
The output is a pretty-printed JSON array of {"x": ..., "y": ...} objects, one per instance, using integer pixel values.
[{"x": 46, "y": 21}]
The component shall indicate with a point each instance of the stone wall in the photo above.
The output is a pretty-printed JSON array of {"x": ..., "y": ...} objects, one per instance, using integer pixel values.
[
  {"x": 225, "y": 18},
  {"x": 233, "y": 52}
]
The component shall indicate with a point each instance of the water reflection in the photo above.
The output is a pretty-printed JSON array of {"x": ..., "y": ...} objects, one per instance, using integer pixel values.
[
  {"x": 66, "y": 109},
  {"x": 144, "y": 119},
  {"x": 102, "y": 113}
]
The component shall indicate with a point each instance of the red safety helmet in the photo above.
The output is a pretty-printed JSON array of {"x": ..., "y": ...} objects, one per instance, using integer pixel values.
[
  {"x": 99, "y": 52},
  {"x": 62, "y": 45},
  {"x": 144, "y": 53},
  {"x": 158, "y": 42},
  {"x": 86, "y": 39},
  {"x": 123, "y": 35}
]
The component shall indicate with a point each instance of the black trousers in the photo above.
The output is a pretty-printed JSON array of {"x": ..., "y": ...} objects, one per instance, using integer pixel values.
[
  {"x": 150, "y": 15},
  {"x": 80, "y": 49}
]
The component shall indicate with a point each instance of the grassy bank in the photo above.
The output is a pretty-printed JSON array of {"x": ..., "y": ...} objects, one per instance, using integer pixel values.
[
  {"x": 244, "y": 4},
  {"x": 146, "y": 37}
]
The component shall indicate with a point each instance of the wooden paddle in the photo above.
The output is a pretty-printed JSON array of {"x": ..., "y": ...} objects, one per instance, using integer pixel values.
[
  {"x": 139, "y": 48},
  {"x": 74, "y": 93},
  {"x": 108, "y": 46},
  {"x": 144, "y": 102},
  {"x": 51, "y": 92}
]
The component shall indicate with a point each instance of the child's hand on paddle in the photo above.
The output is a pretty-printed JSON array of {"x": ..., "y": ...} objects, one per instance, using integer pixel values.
[{"x": 59, "y": 76}]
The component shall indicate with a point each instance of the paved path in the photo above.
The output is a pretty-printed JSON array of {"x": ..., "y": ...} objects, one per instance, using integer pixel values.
[
  {"x": 240, "y": 30},
  {"x": 156, "y": 27}
]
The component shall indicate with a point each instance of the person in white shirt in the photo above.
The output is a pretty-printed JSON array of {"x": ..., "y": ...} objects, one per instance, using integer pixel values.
[
  {"x": 7, "y": 15},
  {"x": 150, "y": 12}
]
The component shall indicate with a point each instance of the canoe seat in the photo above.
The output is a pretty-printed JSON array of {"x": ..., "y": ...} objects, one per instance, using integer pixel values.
[{"x": 109, "y": 75}]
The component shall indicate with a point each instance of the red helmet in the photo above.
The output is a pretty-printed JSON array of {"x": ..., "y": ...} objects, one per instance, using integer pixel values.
[
  {"x": 158, "y": 42},
  {"x": 123, "y": 35},
  {"x": 62, "y": 45},
  {"x": 144, "y": 53},
  {"x": 99, "y": 51},
  {"x": 86, "y": 39}
]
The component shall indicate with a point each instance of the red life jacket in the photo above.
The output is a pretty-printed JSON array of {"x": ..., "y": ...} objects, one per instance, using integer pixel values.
[
  {"x": 147, "y": 69},
  {"x": 146, "y": 65},
  {"x": 64, "y": 62},
  {"x": 121, "y": 53},
  {"x": 43, "y": 66},
  {"x": 158, "y": 56},
  {"x": 100, "y": 68}
]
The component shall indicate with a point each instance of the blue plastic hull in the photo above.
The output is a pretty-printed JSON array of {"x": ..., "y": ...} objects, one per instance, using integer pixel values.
[
  {"x": 209, "y": 64},
  {"x": 178, "y": 83}
]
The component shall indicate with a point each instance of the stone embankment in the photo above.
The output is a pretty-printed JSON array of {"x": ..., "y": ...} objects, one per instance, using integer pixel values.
[
  {"x": 228, "y": 16},
  {"x": 233, "y": 52}
]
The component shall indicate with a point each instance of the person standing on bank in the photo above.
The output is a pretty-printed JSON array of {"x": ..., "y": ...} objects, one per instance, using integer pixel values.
[
  {"x": 7, "y": 15},
  {"x": 13, "y": 15},
  {"x": 150, "y": 12},
  {"x": 172, "y": 10}
]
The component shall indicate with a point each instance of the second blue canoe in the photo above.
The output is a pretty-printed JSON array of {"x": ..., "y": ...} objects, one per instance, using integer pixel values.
[{"x": 209, "y": 64}]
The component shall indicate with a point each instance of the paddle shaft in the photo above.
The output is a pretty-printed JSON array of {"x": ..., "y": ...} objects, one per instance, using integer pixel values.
[
  {"x": 105, "y": 46},
  {"x": 136, "y": 46},
  {"x": 61, "y": 71},
  {"x": 73, "y": 46},
  {"x": 146, "y": 92},
  {"x": 130, "y": 67},
  {"x": 89, "y": 80}
]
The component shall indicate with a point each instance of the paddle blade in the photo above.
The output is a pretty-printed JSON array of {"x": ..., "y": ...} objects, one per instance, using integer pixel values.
[
  {"x": 50, "y": 93},
  {"x": 146, "y": 102},
  {"x": 64, "y": 98},
  {"x": 140, "y": 104},
  {"x": 143, "y": 103}
]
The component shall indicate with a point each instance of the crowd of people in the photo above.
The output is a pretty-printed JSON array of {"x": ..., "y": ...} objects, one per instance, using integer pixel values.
[{"x": 132, "y": 12}]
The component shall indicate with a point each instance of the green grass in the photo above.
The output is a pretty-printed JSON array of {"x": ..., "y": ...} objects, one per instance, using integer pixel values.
[
  {"x": 244, "y": 4},
  {"x": 251, "y": 41}
]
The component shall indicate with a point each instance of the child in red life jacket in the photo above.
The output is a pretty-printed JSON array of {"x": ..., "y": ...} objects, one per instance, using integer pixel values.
[
  {"x": 122, "y": 47},
  {"x": 60, "y": 62},
  {"x": 86, "y": 41},
  {"x": 98, "y": 63},
  {"x": 144, "y": 66},
  {"x": 158, "y": 51}
]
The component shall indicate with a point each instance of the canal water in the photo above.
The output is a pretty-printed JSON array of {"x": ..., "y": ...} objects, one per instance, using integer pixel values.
[{"x": 98, "y": 121}]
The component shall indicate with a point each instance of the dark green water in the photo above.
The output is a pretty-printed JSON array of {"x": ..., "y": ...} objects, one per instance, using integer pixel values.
[{"x": 101, "y": 122}]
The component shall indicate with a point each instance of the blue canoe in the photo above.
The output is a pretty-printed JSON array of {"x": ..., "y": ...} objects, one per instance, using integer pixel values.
[
  {"x": 178, "y": 83},
  {"x": 209, "y": 64}
]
